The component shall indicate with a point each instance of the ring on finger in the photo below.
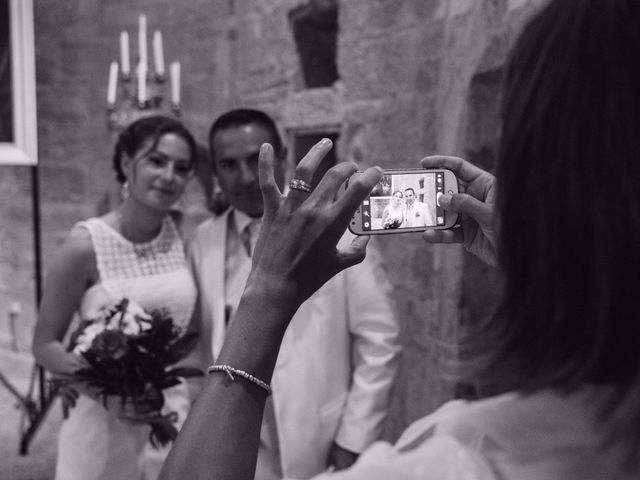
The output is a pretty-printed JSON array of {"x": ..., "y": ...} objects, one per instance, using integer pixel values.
[{"x": 297, "y": 184}]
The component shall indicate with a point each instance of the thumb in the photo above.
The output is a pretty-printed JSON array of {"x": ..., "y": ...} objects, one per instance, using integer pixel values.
[
  {"x": 354, "y": 253},
  {"x": 466, "y": 204}
]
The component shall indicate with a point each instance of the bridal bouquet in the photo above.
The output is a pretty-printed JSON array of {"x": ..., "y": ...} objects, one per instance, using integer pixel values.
[
  {"x": 392, "y": 223},
  {"x": 131, "y": 354}
]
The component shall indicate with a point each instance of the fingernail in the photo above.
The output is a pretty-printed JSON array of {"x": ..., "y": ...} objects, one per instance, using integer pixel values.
[
  {"x": 380, "y": 169},
  {"x": 325, "y": 141},
  {"x": 444, "y": 200},
  {"x": 264, "y": 148}
]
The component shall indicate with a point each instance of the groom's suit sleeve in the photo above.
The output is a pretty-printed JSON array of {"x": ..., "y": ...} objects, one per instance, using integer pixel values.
[
  {"x": 427, "y": 215},
  {"x": 196, "y": 253},
  {"x": 375, "y": 352}
]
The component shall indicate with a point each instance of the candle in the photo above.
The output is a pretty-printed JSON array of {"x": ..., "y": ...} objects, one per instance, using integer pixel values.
[
  {"x": 113, "y": 81},
  {"x": 142, "y": 40},
  {"x": 142, "y": 84},
  {"x": 158, "y": 53},
  {"x": 124, "y": 53},
  {"x": 175, "y": 83}
]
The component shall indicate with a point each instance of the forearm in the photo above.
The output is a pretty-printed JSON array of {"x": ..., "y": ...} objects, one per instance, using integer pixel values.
[
  {"x": 227, "y": 415},
  {"x": 226, "y": 418}
]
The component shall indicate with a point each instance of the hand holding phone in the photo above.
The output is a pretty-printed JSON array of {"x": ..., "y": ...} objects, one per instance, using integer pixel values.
[
  {"x": 406, "y": 201},
  {"x": 476, "y": 207}
]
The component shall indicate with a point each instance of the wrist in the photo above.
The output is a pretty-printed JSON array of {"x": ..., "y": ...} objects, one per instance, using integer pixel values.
[
  {"x": 254, "y": 337},
  {"x": 272, "y": 294}
]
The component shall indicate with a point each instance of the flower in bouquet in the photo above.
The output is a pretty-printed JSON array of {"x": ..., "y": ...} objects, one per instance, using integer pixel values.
[
  {"x": 392, "y": 224},
  {"x": 131, "y": 354}
]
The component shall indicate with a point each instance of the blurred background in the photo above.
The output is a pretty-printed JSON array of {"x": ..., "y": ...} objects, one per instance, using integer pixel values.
[{"x": 391, "y": 81}]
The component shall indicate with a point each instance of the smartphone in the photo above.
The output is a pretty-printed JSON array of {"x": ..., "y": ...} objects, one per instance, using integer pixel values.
[{"x": 405, "y": 201}]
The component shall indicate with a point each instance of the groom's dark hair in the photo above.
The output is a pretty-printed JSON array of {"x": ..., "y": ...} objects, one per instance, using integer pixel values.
[{"x": 240, "y": 117}]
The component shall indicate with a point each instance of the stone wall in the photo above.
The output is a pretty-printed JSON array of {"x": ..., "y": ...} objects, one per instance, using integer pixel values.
[{"x": 416, "y": 77}]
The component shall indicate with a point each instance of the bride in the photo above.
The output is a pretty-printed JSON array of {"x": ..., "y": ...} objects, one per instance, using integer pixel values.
[
  {"x": 135, "y": 252},
  {"x": 393, "y": 215}
]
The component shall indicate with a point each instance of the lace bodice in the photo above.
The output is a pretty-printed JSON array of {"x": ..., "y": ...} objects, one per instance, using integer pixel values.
[{"x": 154, "y": 274}]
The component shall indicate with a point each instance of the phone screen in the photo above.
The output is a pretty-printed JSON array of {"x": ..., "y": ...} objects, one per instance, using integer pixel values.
[{"x": 404, "y": 200}]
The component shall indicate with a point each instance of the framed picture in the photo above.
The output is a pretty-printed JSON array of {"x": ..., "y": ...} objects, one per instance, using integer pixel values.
[{"x": 18, "y": 124}]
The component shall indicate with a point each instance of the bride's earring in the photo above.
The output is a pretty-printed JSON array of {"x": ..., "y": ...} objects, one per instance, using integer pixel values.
[
  {"x": 181, "y": 203},
  {"x": 124, "y": 191}
]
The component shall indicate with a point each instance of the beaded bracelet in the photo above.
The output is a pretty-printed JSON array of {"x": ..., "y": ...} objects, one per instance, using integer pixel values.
[{"x": 241, "y": 373}]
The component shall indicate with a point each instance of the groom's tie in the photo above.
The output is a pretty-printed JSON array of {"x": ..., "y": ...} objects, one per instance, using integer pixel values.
[
  {"x": 249, "y": 236},
  {"x": 409, "y": 216}
]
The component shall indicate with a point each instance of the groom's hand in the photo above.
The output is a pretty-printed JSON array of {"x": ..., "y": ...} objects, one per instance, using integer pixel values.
[{"x": 340, "y": 458}]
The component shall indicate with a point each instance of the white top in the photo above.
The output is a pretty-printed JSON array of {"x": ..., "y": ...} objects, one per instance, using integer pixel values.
[{"x": 542, "y": 436}]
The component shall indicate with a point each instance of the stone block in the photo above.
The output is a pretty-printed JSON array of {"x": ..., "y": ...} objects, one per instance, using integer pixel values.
[
  {"x": 369, "y": 18},
  {"x": 382, "y": 66},
  {"x": 386, "y": 132},
  {"x": 57, "y": 218},
  {"x": 62, "y": 183},
  {"x": 312, "y": 109}
]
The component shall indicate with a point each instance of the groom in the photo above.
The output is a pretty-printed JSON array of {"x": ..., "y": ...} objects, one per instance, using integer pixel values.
[
  {"x": 313, "y": 420},
  {"x": 416, "y": 213}
]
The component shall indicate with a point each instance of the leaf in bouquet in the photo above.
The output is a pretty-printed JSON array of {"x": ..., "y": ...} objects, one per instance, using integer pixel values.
[
  {"x": 122, "y": 306},
  {"x": 149, "y": 368},
  {"x": 152, "y": 399},
  {"x": 163, "y": 326},
  {"x": 163, "y": 429},
  {"x": 137, "y": 382},
  {"x": 109, "y": 369},
  {"x": 185, "y": 372},
  {"x": 155, "y": 340},
  {"x": 168, "y": 382},
  {"x": 181, "y": 347},
  {"x": 107, "y": 375}
]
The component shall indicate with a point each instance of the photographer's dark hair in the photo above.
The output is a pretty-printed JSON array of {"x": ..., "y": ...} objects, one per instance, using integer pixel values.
[
  {"x": 246, "y": 116},
  {"x": 569, "y": 207},
  {"x": 134, "y": 137}
]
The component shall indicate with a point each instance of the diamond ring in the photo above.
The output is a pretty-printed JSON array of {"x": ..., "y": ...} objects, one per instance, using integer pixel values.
[{"x": 297, "y": 184}]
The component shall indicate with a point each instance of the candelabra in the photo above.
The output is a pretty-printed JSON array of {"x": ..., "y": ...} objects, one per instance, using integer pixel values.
[{"x": 133, "y": 95}]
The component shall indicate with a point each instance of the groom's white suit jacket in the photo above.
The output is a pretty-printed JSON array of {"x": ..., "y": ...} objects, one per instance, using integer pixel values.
[{"x": 337, "y": 361}]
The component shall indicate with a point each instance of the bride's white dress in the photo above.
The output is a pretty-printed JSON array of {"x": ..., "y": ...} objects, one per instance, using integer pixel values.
[
  {"x": 93, "y": 443},
  {"x": 392, "y": 215}
]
